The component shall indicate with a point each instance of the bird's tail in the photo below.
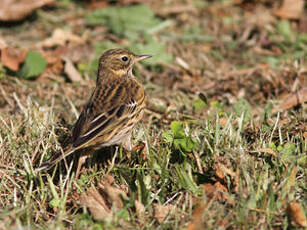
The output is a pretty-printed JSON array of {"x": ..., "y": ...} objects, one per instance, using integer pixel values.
[{"x": 56, "y": 158}]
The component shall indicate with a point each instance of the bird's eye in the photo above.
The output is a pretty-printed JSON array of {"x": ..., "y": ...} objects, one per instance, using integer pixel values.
[{"x": 124, "y": 58}]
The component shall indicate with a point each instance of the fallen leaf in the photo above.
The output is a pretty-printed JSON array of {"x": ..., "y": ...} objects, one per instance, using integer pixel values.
[
  {"x": 110, "y": 179},
  {"x": 297, "y": 214},
  {"x": 226, "y": 170},
  {"x": 60, "y": 37},
  {"x": 53, "y": 56},
  {"x": 2, "y": 43},
  {"x": 71, "y": 71},
  {"x": 223, "y": 193},
  {"x": 292, "y": 100},
  {"x": 196, "y": 223},
  {"x": 15, "y": 10},
  {"x": 140, "y": 210},
  {"x": 219, "y": 173},
  {"x": 96, "y": 204},
  {"x": 161, "y": 212},
  {"x": 220, "y": 187},
  {"x": 101, "y": 201},
  {"x": 218, "y": 191},
  {"x": 290, "y": 9},
  {"x": 33, "y": 66},
  {"x": 79, "y": 52},
  {"x": 260, "y": 16},
  {"x": 55, "y": 65},
  {"x": 113, "y": 195},
  {"x": 55, "y": 62},
  {"x": 12, "y": 57}
]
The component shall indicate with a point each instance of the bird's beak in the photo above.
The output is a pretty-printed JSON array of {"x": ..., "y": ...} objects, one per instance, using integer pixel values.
[{"x": 141, "y": 57}]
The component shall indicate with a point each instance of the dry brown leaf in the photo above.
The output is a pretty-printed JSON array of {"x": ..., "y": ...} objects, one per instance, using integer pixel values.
[
  {"x": 56, "y": 67},
  {"x": 79, "y": 52},
  {"x": 292, "y": 100},
  {"x": 290, "y": 9},
  {"x": 96, "y": 204},
  {"x": 196, "y": 223},
  {"x": 71, "y": 71},
  {"x": 109, "y": 179},
  {"x": 14, "y": 10},
  {"x": 226, "y": 170},
  {"x": 219, "y": 191},
  {"x": 297, "y": 214},
  {"x": 220, "y": 187},
  {"x": 53, "y": 56},
  {"x": 140, "y": 210},
  {"x": 223, "y": 193},
  {"x": 102, "y": 200},
  {"x": 114, "y": 195},
  {"x": 260, "y": 16},
  {"x": 60, "y": 37},
  {"x": 54, "y": 60},
  {"x": 2, "y": 43},
  {"x": 161, "y": 212},
  {"x": 219, "y": 173},
  {"x": 12, "y": 58}
]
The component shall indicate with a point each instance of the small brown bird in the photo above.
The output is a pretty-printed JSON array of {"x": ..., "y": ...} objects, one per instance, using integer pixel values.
[{"x": 115, "y": 107}]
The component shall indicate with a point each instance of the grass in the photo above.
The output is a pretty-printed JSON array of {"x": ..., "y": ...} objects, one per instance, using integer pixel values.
[
  {"x": 216, "y": 152},
  {"x": 261, "y": 173}
]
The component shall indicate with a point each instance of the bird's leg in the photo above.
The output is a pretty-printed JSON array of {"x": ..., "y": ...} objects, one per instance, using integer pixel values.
[{"x": 81, "y": 161}]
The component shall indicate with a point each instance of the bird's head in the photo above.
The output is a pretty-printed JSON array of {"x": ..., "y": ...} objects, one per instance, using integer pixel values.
[{"x": 120, "y": 61}]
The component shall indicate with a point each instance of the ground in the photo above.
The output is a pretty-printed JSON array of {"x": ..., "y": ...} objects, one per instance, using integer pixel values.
[{"x": 223, "y": 141}]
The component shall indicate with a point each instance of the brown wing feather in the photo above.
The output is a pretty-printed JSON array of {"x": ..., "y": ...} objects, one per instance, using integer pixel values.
[{"x": 110, "y": 107}]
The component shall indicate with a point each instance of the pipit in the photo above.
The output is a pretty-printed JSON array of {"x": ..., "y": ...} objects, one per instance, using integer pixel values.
[{"x": 114, "y": 108}]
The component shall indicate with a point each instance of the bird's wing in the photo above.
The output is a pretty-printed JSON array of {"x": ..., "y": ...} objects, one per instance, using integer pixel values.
[{"x": 108, "y": 110}]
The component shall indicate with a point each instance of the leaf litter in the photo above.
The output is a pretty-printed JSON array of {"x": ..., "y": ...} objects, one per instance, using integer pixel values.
[{"x": 16, "y": 10}]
